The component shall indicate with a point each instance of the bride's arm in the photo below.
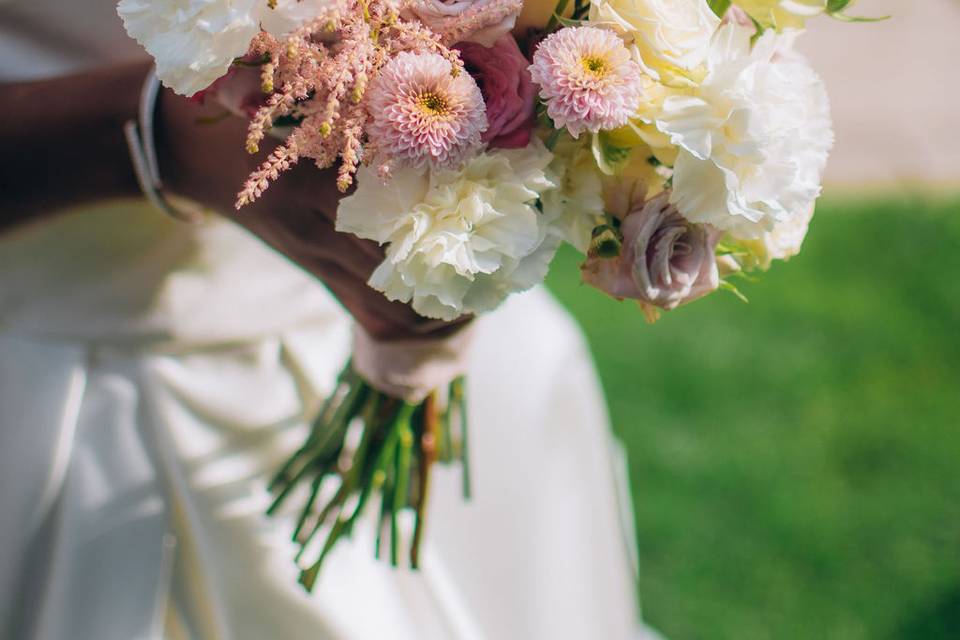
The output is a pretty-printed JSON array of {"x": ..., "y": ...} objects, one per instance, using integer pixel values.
[{"x": 62, "y": 143}]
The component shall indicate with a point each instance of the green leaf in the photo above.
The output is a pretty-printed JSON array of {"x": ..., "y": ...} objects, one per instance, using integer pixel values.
[
  {"x": 845, "y": 18},
  {"x": 609, "y": 156},
  {"x": 727, "y": 286},
  {"x": 720, "y": 6},
  {"x": 835, "y": 9},
  {"x": 553, "y": 139},
  {"x": 568, "y": 22}
]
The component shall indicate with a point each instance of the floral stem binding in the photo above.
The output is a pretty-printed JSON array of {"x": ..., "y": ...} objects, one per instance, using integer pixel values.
[{"x": 367, "y": 446}]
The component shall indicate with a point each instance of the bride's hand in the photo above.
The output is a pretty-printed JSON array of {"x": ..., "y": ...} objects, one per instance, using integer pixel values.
[{"x": 207, "y": 163}]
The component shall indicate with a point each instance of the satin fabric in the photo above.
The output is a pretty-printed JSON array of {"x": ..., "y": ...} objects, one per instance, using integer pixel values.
[{"x": 154, "y": 374}]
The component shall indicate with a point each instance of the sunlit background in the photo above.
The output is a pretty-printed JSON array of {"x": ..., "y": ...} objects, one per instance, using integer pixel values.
[{"x": 795, "y": 461}]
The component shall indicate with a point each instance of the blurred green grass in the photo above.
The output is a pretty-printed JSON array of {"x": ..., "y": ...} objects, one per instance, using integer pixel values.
[{"x": 795, "y": 461}]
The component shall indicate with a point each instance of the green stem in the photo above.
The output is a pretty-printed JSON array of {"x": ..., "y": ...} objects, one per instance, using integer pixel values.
[
  {"x": 349, "y": 479},
  {"x": 428, "y": 451},
  {"x": 557, "y": 12},
  {"x": 402, "y": 477},
  {"x": 316, "y": 428},
  {"x": 444, "y": 440},
  {"x": 314, "y": 491},
  {"x": 459, "y": 392},
  {"x": 385, "y": 494},
  {"x": 340, "y": 420}
]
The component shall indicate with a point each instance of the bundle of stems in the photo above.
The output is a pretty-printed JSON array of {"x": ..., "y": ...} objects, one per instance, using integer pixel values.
[{"x": 366, "y": 446}]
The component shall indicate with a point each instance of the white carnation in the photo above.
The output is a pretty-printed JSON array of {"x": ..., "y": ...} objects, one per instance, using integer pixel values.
[
  {"x": 289, "y": 15},
  {"x": 786, "y": 238},
  {"x": 670, "y": 36},
  {"x": 780, "y": 243},
  {"x": 459, "y": 241},
  {"x": 753, "y": 138},
  {"x": 194, "y": 41},
  {"x": 575, "y": 207}
]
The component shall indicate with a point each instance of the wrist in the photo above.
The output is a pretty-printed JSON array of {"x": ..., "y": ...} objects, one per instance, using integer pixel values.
[{"x": 200, "y": 151}]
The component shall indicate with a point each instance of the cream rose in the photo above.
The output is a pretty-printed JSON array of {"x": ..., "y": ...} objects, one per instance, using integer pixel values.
[{"x": 671, "y": 37}]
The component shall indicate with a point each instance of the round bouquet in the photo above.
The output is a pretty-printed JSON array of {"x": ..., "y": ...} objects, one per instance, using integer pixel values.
[{"x": 678, "y": 144}]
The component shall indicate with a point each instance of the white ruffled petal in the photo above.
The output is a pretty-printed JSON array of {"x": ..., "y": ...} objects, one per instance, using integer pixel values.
[
  {"x": 754, "y": 136},
  {"x": 460, "y": 241},
  {"x": 192, "y": 41}
]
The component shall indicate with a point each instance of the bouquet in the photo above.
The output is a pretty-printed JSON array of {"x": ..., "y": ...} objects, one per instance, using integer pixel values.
[{"x": 678, "y": 144}]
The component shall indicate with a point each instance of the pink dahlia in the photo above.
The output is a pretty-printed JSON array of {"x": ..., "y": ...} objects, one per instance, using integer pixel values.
[
  {"x": 587, "y": 79},
  {"x": 422, "y": 114}
]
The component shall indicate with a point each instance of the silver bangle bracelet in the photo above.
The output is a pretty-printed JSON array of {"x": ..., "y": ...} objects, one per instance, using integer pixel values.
[{"x": 143, "y": 154}]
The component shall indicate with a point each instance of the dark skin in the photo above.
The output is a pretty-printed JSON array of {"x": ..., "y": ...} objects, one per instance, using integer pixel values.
[{"x": 78, "y": 120}]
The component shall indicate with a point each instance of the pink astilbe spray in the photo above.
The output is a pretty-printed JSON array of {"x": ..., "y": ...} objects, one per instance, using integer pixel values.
[{"x": 320, "y": 77}]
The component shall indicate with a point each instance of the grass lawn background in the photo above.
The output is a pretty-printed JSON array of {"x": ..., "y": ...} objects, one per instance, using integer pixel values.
[{"x": 795, "y": 461}]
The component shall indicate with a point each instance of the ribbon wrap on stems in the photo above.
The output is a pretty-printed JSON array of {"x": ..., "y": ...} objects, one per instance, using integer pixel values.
[
  {"x": 397, "y": 408},
  {"x": 413, "y": 368}
]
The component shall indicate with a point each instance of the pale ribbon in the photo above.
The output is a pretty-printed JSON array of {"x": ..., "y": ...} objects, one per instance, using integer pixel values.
[{"x": 412, "y": 368}]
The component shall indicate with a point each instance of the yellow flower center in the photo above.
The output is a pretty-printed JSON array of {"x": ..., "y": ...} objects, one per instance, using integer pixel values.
[
  {"x": 595, "y": 66},
  {"x": 432, "y": 104}
]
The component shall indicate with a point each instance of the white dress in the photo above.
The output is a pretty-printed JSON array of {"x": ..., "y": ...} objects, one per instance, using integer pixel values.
[{"x": 154, "y": 374}]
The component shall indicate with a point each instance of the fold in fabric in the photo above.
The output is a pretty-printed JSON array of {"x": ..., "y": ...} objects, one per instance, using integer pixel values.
[{"x": 156, "y": 525}]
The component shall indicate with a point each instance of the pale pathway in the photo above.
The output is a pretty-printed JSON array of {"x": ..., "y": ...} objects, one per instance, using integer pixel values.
[{"x": 895, "y": 89}]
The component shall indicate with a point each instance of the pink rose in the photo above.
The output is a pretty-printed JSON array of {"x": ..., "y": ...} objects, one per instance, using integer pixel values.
[
  {"x": 665, "y": 261},
  {"x": 509, "y": 93},
  {"x": 486, "y": 21},
  {"x": 238, "y": 91}
]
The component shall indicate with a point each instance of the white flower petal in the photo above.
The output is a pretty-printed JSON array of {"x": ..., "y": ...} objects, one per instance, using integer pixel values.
[
  {"x": 754, "y": 137},
  {"x": 192, "y": 41},
  {"x": 460, "y": 241}
]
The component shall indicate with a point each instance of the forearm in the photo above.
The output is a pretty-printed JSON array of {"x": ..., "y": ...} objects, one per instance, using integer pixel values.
[
  {"x": 295, "y": 215},
  {"x": 62, "y": 143}
]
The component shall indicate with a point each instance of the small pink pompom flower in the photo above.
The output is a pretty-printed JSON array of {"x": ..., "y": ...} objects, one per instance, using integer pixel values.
[
  {"x": 422, "y": 114},
  {"x": 587, "y": 79}
]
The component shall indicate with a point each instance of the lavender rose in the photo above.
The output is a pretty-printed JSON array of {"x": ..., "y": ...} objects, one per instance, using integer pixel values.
[
  {"x": 508, "y": 91},
  {"x": 446, "y": 16},
  {"x": 665, "y": 261}
]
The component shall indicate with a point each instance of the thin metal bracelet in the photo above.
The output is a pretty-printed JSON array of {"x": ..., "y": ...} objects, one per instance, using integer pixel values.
[{"x": 143, "y": 154}]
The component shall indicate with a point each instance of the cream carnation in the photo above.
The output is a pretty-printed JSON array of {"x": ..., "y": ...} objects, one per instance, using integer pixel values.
[
  {"x": 670, "y": 36},
  {"x": 194, "y": 41},
  {"x": 780, "y": 243},
  {"x": 424, "y": 115},
  {"x": 459, "y": 241},
  {"x": 587, "y": 79},
  {"x": 753, "y": 138}
]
